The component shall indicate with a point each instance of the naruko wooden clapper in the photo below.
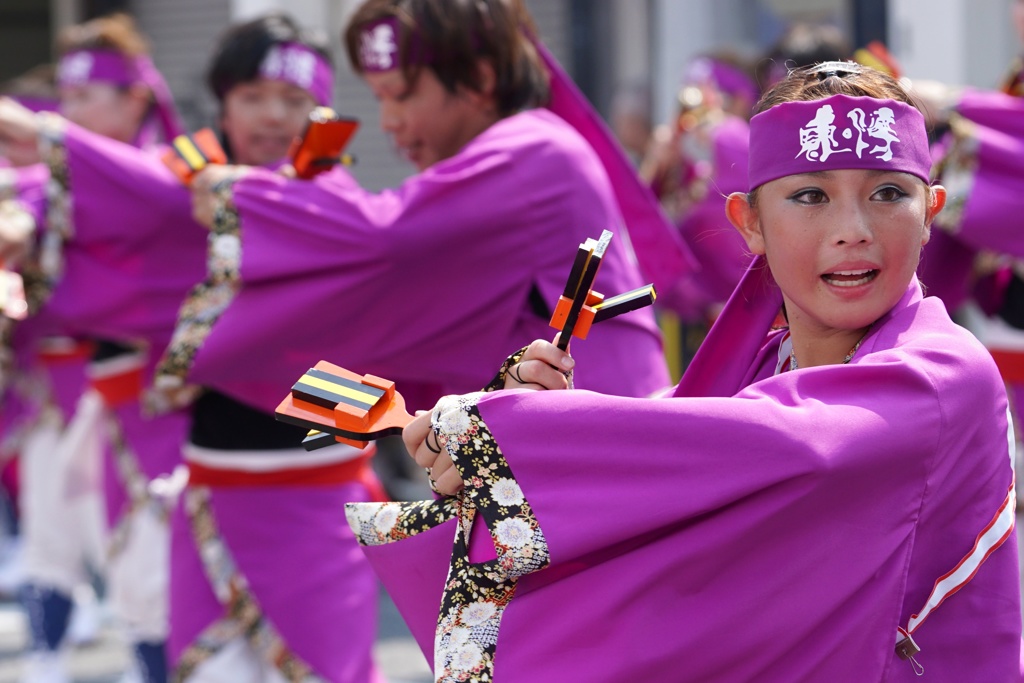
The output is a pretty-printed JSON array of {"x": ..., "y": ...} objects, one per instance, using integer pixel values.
[
  {"x": 322, "y": 143},
  {"x": 337, "y": 405},
  {"x": 189, "y": 154},
  {"x": 580, "y": 306}
]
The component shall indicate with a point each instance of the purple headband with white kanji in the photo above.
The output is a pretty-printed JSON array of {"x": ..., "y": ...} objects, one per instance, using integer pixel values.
[
  {"x": 110, "y": 66},
  {"x": 378, "y": 47},
  {"x": 839, "y": 132},
  {"x": 301, "y": 66}
]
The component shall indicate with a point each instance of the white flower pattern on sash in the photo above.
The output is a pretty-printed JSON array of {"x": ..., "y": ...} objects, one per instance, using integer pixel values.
[
  {"x": 507, "y": 492},
  {"x": 818, "y": 137},
  {"x": 475, "y": 595}
]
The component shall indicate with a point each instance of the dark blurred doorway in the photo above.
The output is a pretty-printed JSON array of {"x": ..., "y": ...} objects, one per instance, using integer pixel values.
[{"x": 25, "y": 36}]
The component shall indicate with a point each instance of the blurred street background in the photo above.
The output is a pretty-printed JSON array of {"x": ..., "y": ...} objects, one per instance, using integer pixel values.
[
  {"x": 103, "y": 659},
  {"x": 626, "y": 55},
  {"x": 610, "y": 47}
]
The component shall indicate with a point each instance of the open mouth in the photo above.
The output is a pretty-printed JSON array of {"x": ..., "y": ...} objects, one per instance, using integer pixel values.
[{"x": 850, "y": 278}]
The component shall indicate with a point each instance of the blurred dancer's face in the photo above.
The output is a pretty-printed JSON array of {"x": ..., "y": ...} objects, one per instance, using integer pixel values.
[
  {"x": 426, "y": 122},
  {"x": 261, "y": 118},
  {"x": 105, "y": 108}
]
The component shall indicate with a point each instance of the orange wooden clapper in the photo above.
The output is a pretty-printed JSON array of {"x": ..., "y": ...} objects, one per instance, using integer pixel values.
[
  {"x": 337, "y": 405},
  {"x": 322, "y": 144},
  {"x": 189, "y": 154},
  {"x": 580, "y": 306}
]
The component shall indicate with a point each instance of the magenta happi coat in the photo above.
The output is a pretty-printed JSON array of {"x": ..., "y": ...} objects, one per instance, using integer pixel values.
[
  {"x": 983, "y": 170},
  {"x": 132, "y": 250},
  {"x": 129, "y": 285},
  {"x": 755, "y": 526},
  {"x": 443, "y": 268}
]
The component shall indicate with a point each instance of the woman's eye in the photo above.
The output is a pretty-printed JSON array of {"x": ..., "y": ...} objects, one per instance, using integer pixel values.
[
  {"x": 889, "y": 193},
  {"x": 809, "y": 197}
]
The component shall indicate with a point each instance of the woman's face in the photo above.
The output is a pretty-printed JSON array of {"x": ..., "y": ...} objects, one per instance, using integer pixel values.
[
  {"x": 843, "y": 244},
  {"x": 426, "y": 122},
  {"x": 260, "y": 119},
  {"x": 105, "y": 109}
]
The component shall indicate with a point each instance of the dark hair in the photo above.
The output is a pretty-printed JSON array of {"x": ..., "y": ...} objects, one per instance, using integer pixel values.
[
  {"x": 116, "y": 32},
  {"x": 803, "y": 44},
  {"x": 241, "y": 49},
  {"x": 454, "y": 34},
  {"x": 834, "y": 78},
  {"x": 820, "y": 81}
]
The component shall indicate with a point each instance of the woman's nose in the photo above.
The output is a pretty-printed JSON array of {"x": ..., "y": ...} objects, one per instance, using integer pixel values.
[{"x": 852, "y": 226}]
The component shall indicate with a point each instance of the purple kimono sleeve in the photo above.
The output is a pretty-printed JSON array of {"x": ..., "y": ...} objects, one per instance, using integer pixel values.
[
  {"x": 27, "y": 186},
  {"x": 796, "y": 523},
  {"x": 427, "y": 284},
  {"x": 983, "y": 173},
  {"x": 133, "y": 250},
  {"x": 782, "y": 533}
]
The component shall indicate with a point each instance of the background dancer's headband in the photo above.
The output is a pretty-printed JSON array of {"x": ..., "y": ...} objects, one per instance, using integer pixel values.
[
  {"x": 379, "y": 48},
  {"x": 301, "y": 66},
  {"x": 109, "y": 66},
  {"x": 839, "y": 132},
  {"x": 726, "y": 77}
]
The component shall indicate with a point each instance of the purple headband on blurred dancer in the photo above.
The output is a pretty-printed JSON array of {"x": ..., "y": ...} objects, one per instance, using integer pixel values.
[
  {"x": 726, "y": 77},
  {"x": 81, "y": 67},
  {"x": 839, "y": 132},
  {"x": 302, "y": 67},
  {"x": 379, "y": 47}
]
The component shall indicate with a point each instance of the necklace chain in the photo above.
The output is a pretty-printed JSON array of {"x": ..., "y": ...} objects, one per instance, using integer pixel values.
[{"x": 849, "y": 356}]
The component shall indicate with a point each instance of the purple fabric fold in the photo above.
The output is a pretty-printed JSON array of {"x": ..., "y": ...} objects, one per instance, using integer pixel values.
[
  {"x": 663, "y": 256},
  {"x": 296, "y": 585},
  {"x": 946, "y": 269},
  {"x": 155, "y": 441},
  {"x": 136, "y": 251},
  {"x": 27, "y": 186},
  {"x": 429, "y": 284},
  {"x": 991, "y": 217},
  {"x": 791, "y": 518}
]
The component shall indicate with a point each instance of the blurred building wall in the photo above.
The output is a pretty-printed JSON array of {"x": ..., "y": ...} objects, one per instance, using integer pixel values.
[
  {"x": 962, "y": 42},
  {"x": 603, "y": 43}
]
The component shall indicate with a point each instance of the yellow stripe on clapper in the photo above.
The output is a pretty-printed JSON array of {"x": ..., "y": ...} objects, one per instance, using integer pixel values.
[
  {"x": 324, "y": 389},
  {"x": 190, "y": 152}
]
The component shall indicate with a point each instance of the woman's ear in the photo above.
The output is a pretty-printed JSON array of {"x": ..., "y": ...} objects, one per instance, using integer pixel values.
[
  {"x": 488, "y": 78},
  {"x": 484, "y": 97},
  {"x": 936, "y": 200},
  {"x": 744, "y": 218}
]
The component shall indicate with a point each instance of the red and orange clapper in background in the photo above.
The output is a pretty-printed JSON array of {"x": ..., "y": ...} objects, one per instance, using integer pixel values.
[
  {"x": 320, "y": 147},
  {"x": 189, "y": 154},
  {"x": 337, "y": 405},
  {"x": 322, "y": 143}
]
